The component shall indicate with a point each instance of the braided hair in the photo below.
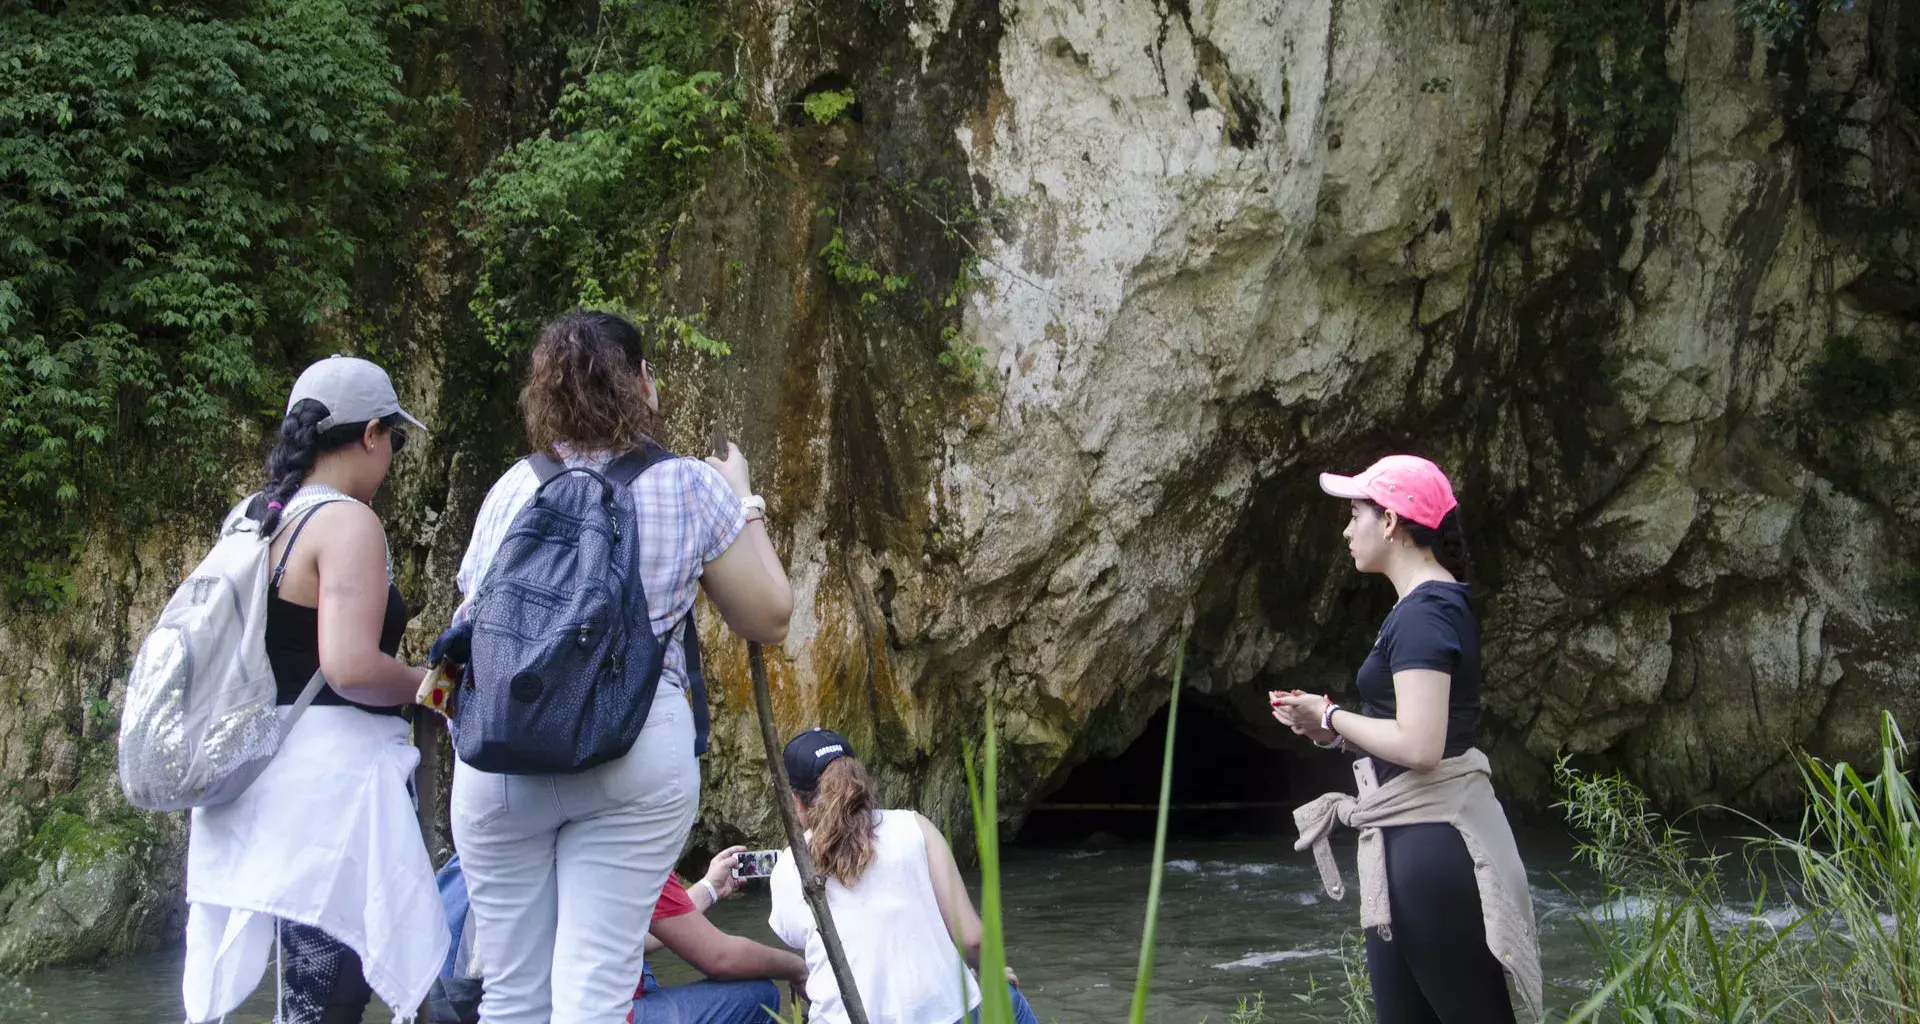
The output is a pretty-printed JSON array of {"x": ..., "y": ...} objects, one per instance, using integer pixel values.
[{"x": 301, "y": 444}]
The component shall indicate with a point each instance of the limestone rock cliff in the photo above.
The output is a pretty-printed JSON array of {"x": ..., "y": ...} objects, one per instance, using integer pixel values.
[{"x": 1196, "y": 252}]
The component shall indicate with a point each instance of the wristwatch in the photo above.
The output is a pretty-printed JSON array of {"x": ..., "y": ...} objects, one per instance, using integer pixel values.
[{"x": 753, "y": 505}]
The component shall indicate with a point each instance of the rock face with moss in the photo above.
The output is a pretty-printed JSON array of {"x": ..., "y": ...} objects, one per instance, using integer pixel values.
[{"x": 1042, "y": 322}]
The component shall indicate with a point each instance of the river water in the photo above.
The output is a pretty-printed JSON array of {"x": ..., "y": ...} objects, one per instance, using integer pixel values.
[{"x": 1238, "y": 917}]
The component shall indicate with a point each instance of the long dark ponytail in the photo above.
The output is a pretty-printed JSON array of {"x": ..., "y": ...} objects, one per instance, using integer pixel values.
[
  {"x": 1448, "y": 542},
  {"x": 301, "y": 444}
]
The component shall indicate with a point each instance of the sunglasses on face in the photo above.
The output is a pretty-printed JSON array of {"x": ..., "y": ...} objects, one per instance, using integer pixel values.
[{"x": 398, "y": 438}]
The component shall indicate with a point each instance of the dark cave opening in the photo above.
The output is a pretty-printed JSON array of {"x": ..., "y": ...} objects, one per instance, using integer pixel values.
[{"x": 1231, "y": 777}]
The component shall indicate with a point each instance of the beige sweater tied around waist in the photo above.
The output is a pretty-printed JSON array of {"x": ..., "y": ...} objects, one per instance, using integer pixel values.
[{"x": 1458, "y": 792}]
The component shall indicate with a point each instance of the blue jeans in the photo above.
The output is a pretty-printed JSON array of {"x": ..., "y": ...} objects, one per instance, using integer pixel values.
[
  {"x": 1022, "y": 1013},
  {"x": 707, "y": 1002}
]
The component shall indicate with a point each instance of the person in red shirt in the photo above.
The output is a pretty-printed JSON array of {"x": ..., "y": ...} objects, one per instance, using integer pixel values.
[
  {"x": 740, "y": 974},
  {"x": 738, "y": 987}
]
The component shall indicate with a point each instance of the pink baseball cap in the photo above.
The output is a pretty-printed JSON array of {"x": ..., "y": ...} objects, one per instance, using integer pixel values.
[{"x": 1405, "y": 484}]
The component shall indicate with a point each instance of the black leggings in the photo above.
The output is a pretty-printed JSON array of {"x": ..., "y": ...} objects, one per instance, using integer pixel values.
[
  {"x": 324, "y": 983},
  {"x": 1436, "y": 967}
]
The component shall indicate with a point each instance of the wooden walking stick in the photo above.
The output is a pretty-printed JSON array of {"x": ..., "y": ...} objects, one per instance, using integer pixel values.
[
  {"x": 812, "y": 884},
  {"x": 428, "y": 727}
]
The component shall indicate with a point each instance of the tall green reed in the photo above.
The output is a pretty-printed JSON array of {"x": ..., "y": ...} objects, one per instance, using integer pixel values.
[
  {"x": 996, "y": 1003},
  {"x": 1858, "y": 854},
  {"x": 1669, "y": 949},
  {"x": 1145, "y": 976}
]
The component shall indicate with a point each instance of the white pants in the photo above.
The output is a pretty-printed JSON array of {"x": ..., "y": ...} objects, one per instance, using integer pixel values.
[{"x": 563, "y": 871}]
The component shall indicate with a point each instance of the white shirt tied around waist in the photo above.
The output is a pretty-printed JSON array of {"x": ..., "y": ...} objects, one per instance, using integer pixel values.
[
  {"x": 903, "y": 960},
  {"x": 1459, "y": 792},
  {"x": 326, "y": 837},
  {"x": 686, "y": 515}
]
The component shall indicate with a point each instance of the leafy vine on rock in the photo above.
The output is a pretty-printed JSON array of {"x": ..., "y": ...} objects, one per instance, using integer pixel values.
[
  {"x": 183, "y": 195},
  {"x": 568, "y": 218}
]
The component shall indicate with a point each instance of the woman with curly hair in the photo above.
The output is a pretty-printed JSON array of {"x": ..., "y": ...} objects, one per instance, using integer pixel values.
[{"x": 564, "y": 869}]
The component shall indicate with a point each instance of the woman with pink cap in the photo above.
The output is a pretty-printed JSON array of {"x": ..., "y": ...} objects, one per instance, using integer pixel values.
[{"x": 1444, "y": 898}]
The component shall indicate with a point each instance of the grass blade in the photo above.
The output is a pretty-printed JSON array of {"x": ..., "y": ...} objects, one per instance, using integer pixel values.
[
  {"x": 996, "y": 1004},
  {"x": 1139, "y": 1014}
]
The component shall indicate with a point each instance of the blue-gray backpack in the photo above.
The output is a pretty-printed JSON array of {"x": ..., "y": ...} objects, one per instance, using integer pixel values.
[{"x": 565, "y": 663}]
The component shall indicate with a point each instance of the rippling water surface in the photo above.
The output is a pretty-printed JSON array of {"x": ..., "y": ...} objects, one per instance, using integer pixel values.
[{"x": 1239, "y": 917}]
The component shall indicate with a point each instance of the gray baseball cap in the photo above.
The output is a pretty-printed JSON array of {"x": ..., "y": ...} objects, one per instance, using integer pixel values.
[{"x": 353, "y": 390}]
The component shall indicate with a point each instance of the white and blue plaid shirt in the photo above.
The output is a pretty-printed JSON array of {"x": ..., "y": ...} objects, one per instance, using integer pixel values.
[{"x": 686, "y": 515}]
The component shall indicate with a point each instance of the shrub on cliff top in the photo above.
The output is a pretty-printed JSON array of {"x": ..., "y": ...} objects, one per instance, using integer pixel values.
[
  {"x": 180, "y": 187},
  {"x": 568, "y": 217}
]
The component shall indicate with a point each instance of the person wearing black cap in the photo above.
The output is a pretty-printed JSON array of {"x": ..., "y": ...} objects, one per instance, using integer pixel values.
[
  {"x": 895, "y": 892},
  {"x": 320, "y": 856}
]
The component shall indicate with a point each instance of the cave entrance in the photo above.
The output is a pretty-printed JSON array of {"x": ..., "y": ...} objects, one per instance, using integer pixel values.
[{"x": 1227, "y": 781}]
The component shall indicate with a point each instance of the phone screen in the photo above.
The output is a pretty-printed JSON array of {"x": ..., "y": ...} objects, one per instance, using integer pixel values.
[{"x": 756, "y": 863}]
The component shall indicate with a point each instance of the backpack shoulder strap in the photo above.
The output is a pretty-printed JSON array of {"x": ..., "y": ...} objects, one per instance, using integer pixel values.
[
  {"x": 697, "y": 684},
  {"x": 300, "y": 704},
  {"x": 545, "y": 467},
  {"x": 627, "y": 468},
  {"x": 279, "y": 570}
]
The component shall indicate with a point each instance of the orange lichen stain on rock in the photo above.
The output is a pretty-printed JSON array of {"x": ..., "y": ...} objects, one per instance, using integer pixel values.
[
  {"x": 983, "y": 125},
  {"x": 730, "y": 678}
]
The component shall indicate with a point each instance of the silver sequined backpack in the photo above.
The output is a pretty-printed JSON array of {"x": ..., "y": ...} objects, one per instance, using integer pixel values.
[{"x": 200, "y": 723}]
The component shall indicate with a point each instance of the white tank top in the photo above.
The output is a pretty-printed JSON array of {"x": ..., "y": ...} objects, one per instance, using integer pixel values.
[{"x": 907, "y": 967}]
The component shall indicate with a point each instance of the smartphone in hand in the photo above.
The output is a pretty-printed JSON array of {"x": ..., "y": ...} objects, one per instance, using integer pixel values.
[{"x": 756, "y": 864}]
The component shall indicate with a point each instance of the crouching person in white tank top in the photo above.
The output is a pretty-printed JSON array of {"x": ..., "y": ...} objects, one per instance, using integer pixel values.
[{"x": 896, "y": 895}]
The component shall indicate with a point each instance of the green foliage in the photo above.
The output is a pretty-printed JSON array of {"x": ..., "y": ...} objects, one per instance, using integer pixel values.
[
  {"x": 826, "y": 105},
  {"x": 65, "y": 831},
  {"x": 1781, "y": 21},
  {"x": 1670, "y": 951},
  {"x": 1858, "y": 854},
  {"x": 1659, "y": 931},
  {"x": 182, "y": 196},
  {"x": 1356, "y": 990},
  {"x": 1355, "y": 994},
  {"x": 861, "y": 276},
  {"x": 567, "y": 218},
  {"x": 1610, "y": 71},
  {"x": 1250, "y": 1011},
  {"x": 966, "y": 363}
]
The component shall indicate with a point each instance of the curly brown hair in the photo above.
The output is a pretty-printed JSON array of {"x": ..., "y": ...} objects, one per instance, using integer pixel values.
[
  {"x": 840, "y": 814},
  {"x": 586, "y": 386}
]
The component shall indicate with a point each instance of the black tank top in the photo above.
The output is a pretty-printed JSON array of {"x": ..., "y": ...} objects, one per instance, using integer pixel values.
[{"x": 293, "y": 641}]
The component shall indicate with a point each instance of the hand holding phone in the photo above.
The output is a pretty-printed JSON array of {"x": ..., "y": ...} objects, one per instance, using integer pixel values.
[{"x": 756, "y": 864}]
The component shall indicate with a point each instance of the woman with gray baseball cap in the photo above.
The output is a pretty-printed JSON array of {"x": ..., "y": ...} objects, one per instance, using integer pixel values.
[{"x": 320, "y": 859}]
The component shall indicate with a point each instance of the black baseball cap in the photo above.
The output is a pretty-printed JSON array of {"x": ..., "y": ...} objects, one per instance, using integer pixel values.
[{"x": 809, "y": 754}]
